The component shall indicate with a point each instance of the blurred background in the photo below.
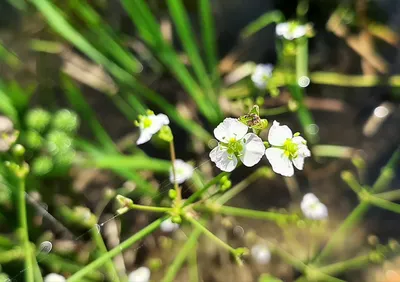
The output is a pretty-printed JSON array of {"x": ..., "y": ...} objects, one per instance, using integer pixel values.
[{"x": 75, "y": 74}]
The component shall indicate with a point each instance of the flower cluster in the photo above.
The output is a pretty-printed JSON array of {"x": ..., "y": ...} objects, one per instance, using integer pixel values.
[
  {"x": 262, "y": 73},
  {"x": 235, "y": 142},
  {"x": 312, "y": 208},
  {"x": 291, "y": 30}
]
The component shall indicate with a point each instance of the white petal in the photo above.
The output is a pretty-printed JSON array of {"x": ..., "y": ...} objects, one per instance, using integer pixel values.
[
  {"x": 299, "y": 31},
  {"x": 216, "y": 154},
  {"x": 317, "y": 211},
  {"x": 158, "y": 121},
  {"x": 261, "y": 253},
  {"x": 282, "y": 29},
  {"x": 168, "y": 226},
  {"x": 260, "y": 75},
  {"x": 142, "y": 274},
  {"x": 303, "y": 150},
  {"x": 230, "y": 128},
  {"x": 253, "y": 151},
  {"x": 278, "y": 134},
  {"x": 145, "y": 136},
  {"x": 183, "y": 171},
  {"x": 279, "y": 161},
  {"x": 309, "y": 199},
  {"x": 226, "y": 162},
  {"x": 299, "y": 162},
  {"x": 299, "y": 140},
  {"x": 54, "y": 277}
]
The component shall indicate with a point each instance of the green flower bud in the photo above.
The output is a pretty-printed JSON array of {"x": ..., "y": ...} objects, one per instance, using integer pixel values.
[
  {"x": 64, "y": 159},
  {"x": 58, "y": 142},
  {"x": 18, "y": 151},
  {"x": 124, "y": 201},
  {"x": 223, "y": 179},
  {"x": 260, "y": 101},
  {"x": 38, "y": 119},
  {"x": 155, "y": 264},
  {"x": 166, "y": 134},
  {"x": 65, "y": 120},
  {"x": 293, "y": 105},
  {"x": 33, "y": 140},
  {"x": 176, "y": 219},
  {"x": 172, "y": 194},
  {"x": 42, "y": 165},
  {"x": 227, "y": 184}
]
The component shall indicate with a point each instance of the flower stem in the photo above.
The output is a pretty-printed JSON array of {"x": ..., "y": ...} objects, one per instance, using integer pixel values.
[
  {"x": 112, "y": 272},
  {"x": 387, "y": 173},
  {"x": 340, "y": 267},
  {"x": 149, "y": 208},
  {"x": 200, "y": 192},
  {"x": 29, "y": 274},
  {"x": 173, "y": 159},
  {"x": 211, "y": 235},
  {"x": 193, "y": 270},
  {"x": 117, "y": 250},
  {"x": 182, "y": 255},
  {"x": 390, "y": 195},
  {"x": 239, "y": 187},
  {"x": 384, "y": 204}
]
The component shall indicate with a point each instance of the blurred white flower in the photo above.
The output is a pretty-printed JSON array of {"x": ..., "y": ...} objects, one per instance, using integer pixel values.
[
  {"x": 168, "y": 226},
  {"x": 291, "y": 30},
  {"x": 235, "y": 142},
  {"x": 142, "y": 274},
  {"x": 183, "y": 172},
  {"x": 312, "y": 208},
  {"x": 261, "y": 75},
  {"x": 149, "y": 125},
  {"x": 287, "y": 150},
  {"x": 261, "y": 253},
  {"x": 54, "y": 277},
  {"x": 7, "y": 133}
]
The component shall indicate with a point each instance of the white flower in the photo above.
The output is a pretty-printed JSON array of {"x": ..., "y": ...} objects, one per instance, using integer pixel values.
[
  {"x": 150, "y": 125},
  {"x": 183, "y": 172},
  {"x": 261, "y": 75},
  {"x": 7, "y": 134},
  {"x": 287, "y": 150},
  {"x": 168, "y": 226},
  {"x": 54, "y": 277},
  {"x": 312, "y": 208},
  {"x": 290, "y": 30},
  {"x": 142, "y": 274},
  {"x": 235, "y": 143},
  {"x": 261, "y": 254}
]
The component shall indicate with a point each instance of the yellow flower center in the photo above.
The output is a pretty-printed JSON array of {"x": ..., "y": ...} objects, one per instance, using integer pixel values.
[
  {"x": 147, "y": 122},
  {"x": 290, "y": 148},
  {"x": 234, "y": 146}
]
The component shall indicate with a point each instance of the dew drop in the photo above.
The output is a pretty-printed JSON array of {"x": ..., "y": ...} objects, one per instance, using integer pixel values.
[
  {"x": 45, "y": 247},
  {"x": 304, "y": 81},
  {"x": 381, "y": 111},
  {"x": 98, "y": 227},
  {"x": 313, "y": 129}
]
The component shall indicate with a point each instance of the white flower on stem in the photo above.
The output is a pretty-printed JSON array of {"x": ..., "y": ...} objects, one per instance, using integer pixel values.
[
  {"x": 261, "y": 74},
  {"x": 235, "y": 142},
  {"x": 287, "y": 149},
  {"x": 54, "y": 277},
  {"x": 149, "y": 125},
  {"x": 261, "y": 254},
  {"x": 312, "y": 208},
  {"x": 168, "y": 226},
  {"x": 142, "y": 274},
  {"x": 183, "y": 172},
  {"x": 7, "y": 134},
  {"x": 291, "y": 30}
]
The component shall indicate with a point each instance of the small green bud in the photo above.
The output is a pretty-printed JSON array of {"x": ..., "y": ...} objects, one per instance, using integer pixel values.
[
  {"x": 18, "y": 151},
  {"x": 58, "y": 142},
  {"x": 172, "y": 193},
  {"x": 124, "y": 201},
  {"x": 347, "y": 176},
  {"x": 155, "y": 264},
  {"x": 293, "y": 105},
  {"x": 42, "y": 165},
  {"x": 223, "y": 179},
  {"x": 65, "y": 158},
  {"x": 33, "y": 140},
  {"x": 176, "y": 219},
  {"x": 149, "y": 112},
  {"x": 166, "y": 134},
  {"x": 38, "y": 119},
  {"x": 260, "y": 101},
  {"x": 65, "y": 120},
  {"x": 227, "y": 184},
  {"x": 358, "y": 162}
]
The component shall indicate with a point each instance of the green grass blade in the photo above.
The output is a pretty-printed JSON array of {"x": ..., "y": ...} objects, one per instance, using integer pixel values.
[
  {"x": 9, "y": 57},
  {"x": 209, "y": 39},
  {"x": 130, "y": 162},
  {"x": 185, "y": 32},
  {"x": 261, "y": 22},
  {"x": 7, "y": 108}
]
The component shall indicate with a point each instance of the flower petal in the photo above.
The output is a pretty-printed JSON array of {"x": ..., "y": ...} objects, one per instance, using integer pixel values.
[
  {"x": 145, "y": 136},
  {"x": 226, "y": 162},
  {"x": 299, "y": 31},
  {"x": 298, "y": 162},
  {"x": 183, "y": 171},
  {"x": 158, "y": 121},
  {"x": 230, "y": 128},
  {"x": 216, "y": 154},
  {"x": 309, "y": 199},
  {"x": 253, "y": 151},
  {"x": 282, "y": 28},
  {"x": 278, "y": 134},
  {"x": 142, "y": 274},
  {"x": 279, "y": 161}
]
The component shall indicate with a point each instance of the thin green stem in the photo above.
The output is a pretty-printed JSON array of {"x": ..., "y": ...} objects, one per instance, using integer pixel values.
[
  {"x": 274, "y": 111},
  {"x": 390, "y": 195},
  {"x": 342, "y": 266},
  {"x": 23, "y": 223},
  {"x": 233, "y": 211},
  {"x": 112, "y": 272},
  {"x": 117, "y": 250},
  {"x": 182, "y": 256},
  {"x": 239, "y": 187},
  {"x": 351, "y": 180},
  {"x": 149, "y": 208},
  {"x": 387, "y": 173},
  {"x": 193, "y": 269},
  {"x": 200, "y": 192},
  {"x": 349, "y": 223},
  {"x": 387, "y": 205},
  {"x": 210, "y": 235},
  {"x": 173, "y": 159}
]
